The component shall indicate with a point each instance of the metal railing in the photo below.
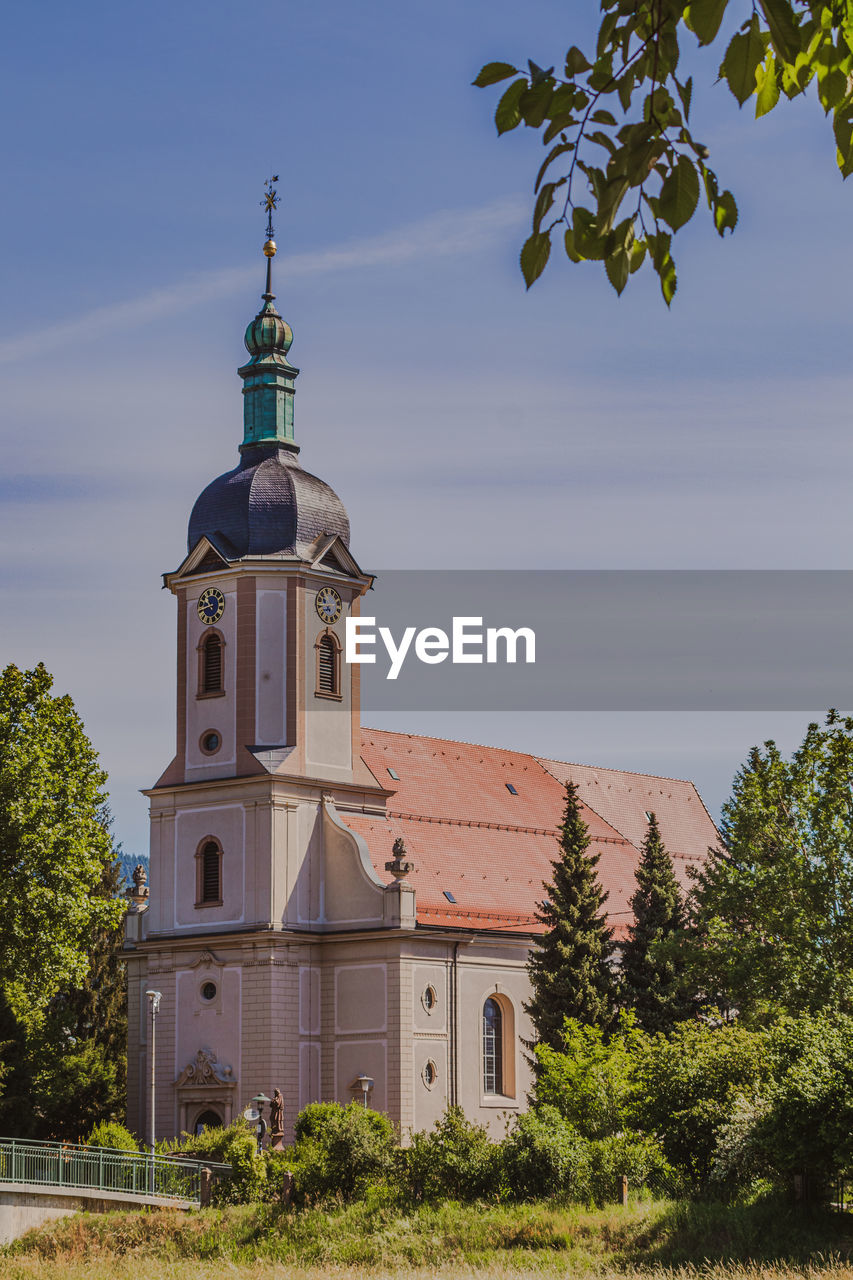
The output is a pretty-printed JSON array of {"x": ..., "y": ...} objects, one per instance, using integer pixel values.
[{"x": 67, "y": 1164}]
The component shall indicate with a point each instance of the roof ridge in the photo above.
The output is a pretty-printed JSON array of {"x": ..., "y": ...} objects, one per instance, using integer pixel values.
[{"x": 606, "y": 768}]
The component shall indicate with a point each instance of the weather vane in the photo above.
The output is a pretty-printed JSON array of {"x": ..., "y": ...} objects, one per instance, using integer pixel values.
[{"x": 269, "y": 203}]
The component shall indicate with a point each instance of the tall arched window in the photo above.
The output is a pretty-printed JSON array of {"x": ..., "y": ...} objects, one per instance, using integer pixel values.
[
  {"x": 211, "y": 672},
  {"x": 328, "y": 666},
  {"x": 493, "y": 1048},
  {"x": 209, "y": 874}
]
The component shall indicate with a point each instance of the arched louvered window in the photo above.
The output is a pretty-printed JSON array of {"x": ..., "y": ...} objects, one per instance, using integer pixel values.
[
  {"x": 209, "y": 874},
  {"x": 328, "y": 666},
  {"x": 211, "y": 675},
  {"x": 493, "y": 1048}
]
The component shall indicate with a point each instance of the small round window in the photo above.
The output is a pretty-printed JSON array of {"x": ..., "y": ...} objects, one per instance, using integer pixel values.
[
  {"x": 210, "y": 742},
  {"x": 429, "y": 1074},
  {"x": 208, "y": 991},
  {"x": 429, "y": 999}
]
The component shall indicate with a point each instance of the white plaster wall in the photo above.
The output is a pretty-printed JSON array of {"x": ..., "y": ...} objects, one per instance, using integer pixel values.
[
  {"x": 218, "y": 713},
  {"x": 361, "y": 1057},
  {"x": 360, "y": 998},
  {"x": 309, "y": 891},
  {"x": 225, "y": 823},
  {"x": 309, "y": 1074},
  {"x": 328, "y": 727},
  {"x": 310, "y": 1012},
  {"x": 204, "y": 1024},
  {"x": 271, "y": 668}
]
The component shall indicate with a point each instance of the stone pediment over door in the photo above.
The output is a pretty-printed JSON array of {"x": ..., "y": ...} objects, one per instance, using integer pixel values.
[
  {"x": 205, "y": 1072},
  {"x": 205, "y": 1084}
]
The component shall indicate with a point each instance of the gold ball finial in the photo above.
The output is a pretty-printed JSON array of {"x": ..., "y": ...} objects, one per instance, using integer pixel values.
[{"x": 270, "y": 249}]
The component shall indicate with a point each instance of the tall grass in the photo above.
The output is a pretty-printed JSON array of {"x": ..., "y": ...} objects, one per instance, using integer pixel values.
[{"x": 767, "y": 1240}]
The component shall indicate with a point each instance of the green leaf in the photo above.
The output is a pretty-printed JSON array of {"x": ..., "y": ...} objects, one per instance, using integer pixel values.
[
  {"x": 507, "y": 114},
  {"x": 576, "y": 62},
  {"x": 842, "y": 125},
  {"x": 612, "y": 195},
  {"x": 679, "y": 194},
  {"x": 571, "y": 251},
  {"x": 685, "y": 93},
  {"x": 543, "y": 203},
  {"x": 637, "y": 255},
  {"x": 784, "y": 32},
  {"x": 617, "y": 266},
  {"x": 668, "y": 278},
  {"x": 603, "y": 117},
  {"x": 493, "y": 73},
  {"x": 534, "y": 256},
  {"x": 559, "y": 150},
  {"x": 587, "y": 241},
  {"x": 744, "y": 54},
  {"x": 534, "y": 104},
  {"x": 703, "y": 17},
  {"x": 768, "y": 87},
  {"x": 725, "y": 213}
]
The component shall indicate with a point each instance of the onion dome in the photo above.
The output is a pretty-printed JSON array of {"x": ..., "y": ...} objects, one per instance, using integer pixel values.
[
  {"x": 268, "y": 505},
  {"x": 268, "y": 333}
]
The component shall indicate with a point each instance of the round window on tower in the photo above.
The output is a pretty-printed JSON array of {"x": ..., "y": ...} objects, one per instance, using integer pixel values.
[
  {"x": 210, "y": 742},
  {"x": 429, "y": 1075},
  {"x": 208, "y": 991},
  {"x": 429, "y": 999}
]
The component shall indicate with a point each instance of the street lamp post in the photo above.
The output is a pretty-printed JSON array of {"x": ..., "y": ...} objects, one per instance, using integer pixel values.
[
  {"x": 365, "y": 1083},
  {"x": 260, "y": 1100},
  {"x": 154, "y": 998}
]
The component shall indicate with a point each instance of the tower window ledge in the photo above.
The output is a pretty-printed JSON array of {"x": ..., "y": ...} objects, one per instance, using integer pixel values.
[
  {"x": 330, "y": 697},
  {"x": 216, "y": 693}
]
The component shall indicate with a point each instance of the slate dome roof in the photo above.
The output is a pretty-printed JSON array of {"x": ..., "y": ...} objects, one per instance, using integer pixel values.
[{"x": 267, "y": 504}]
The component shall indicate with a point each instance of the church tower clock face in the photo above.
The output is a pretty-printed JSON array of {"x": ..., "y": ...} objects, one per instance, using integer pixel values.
[
  {"x": 328, "y": 605},
  {"x": 211, "y": 605}
]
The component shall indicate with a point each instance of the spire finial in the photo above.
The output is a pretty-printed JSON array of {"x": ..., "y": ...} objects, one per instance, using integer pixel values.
[{"x": 269, "y": 203}]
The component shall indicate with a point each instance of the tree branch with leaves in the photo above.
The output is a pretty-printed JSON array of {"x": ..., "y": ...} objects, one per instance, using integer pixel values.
[{"x": 624, "y": 171}]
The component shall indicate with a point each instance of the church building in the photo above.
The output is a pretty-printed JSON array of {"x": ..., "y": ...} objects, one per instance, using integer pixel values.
[{"x": 334, "y": 911}]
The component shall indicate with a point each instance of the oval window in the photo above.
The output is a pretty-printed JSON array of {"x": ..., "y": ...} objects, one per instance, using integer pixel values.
[
  {"x": 429, "y": 999},
  {"x": 430, "y": 1074},
  {"x": 211, "y": 742},
  {"x": 208, "y": 991}
]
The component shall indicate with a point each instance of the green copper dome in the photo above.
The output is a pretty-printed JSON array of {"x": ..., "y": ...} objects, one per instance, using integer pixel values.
[{"x": 268, "y": 333}]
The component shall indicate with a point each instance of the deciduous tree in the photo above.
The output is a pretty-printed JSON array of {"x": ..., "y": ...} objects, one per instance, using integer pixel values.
[{"x": 771, "y": 906}]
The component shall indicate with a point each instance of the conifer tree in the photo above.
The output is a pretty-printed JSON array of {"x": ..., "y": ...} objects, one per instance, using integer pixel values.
[
  {"x": 652, "y": 968},
  {"x": 569, "y": 965}
]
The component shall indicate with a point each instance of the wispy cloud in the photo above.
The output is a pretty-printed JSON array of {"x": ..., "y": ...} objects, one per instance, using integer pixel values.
[{"x": 440, "y": 235}]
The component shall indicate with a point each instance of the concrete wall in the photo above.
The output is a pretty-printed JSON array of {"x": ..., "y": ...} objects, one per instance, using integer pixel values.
[{"x": 25, "y": 1206}]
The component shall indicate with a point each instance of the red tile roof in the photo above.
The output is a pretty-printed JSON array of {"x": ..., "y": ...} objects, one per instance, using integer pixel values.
[{"x": 492, "y": 850}]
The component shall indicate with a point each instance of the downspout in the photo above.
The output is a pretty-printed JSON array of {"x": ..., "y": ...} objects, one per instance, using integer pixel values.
[{"x": 454, "y": 1005}]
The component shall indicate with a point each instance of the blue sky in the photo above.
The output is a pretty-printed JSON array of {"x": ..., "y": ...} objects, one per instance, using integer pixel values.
[{"x": 463, "y": 421}]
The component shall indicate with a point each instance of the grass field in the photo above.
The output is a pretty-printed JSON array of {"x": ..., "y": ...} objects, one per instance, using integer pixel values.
[{"x": 770, "y": 1240}]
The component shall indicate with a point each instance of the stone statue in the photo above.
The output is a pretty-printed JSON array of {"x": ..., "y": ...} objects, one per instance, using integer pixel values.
[{"x": 277, "y": 1121}]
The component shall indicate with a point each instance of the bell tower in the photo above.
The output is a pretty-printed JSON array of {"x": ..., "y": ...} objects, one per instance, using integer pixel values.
[{"x": 251, "y": 864}]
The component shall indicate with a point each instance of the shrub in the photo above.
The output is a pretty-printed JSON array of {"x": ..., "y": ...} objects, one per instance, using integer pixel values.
[
  {"x": 590, "y": 1079},
  {"x": 341, "y": 1150},
  {"x": 685, "y": 1087},
  {"x": 635, "y": 1155},
  {"x": 456, "y": 1160},
  {"x": 248, "y": 1179},
  {"x": 109, "y": 1133},
  {"x": 542, "y": 1156}
]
